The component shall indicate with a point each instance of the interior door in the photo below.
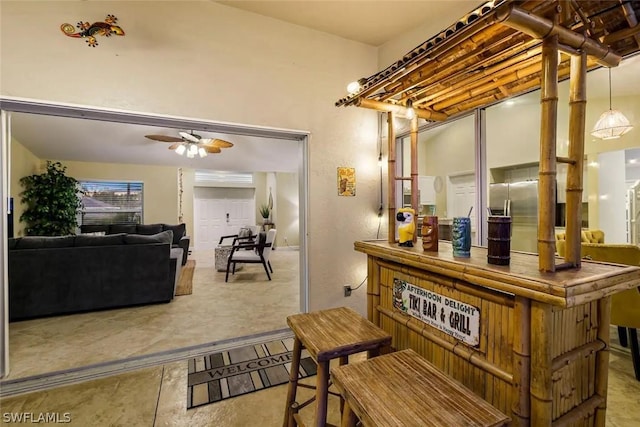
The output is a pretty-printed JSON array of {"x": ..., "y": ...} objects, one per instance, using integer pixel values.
[
  {"x": 461, "y": 199},
  {"x": 221, "y": 212}
]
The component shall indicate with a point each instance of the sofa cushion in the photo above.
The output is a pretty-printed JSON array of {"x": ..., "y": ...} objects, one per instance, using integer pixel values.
[
  {"x": 148, "y": 229},
  {"x": 37, "y": 242},
  {"x": 179, "y": 231},
  {"x": 162, "y": 237},
  {"x": 122, "y": 228},
  {"x": 12, "y": 243},
  {"x": 90, "y": 240}
]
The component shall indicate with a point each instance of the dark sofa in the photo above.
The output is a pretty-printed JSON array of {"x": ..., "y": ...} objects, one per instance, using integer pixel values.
[
  {"x": 60, "y": 275},
  {"x": 180, "y": 238}
]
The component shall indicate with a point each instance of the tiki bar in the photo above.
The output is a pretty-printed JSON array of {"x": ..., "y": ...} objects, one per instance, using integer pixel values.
[{"x": 527, "y": 332}]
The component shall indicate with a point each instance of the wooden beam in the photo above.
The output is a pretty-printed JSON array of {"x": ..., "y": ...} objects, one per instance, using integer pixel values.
[
  {"x": 547, "y": 173},
  {"x": 541, "y": 28},
  {"x": 391, "y": 173},
  {"x": 577, "y": 113},
  {"x": 399, "y": 109}
]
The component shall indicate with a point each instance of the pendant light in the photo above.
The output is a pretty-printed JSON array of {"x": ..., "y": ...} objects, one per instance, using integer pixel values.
[{"x": 612, "y": 123}]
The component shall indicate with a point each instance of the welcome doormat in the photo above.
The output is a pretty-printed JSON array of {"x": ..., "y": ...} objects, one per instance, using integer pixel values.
[{"x": 242, "y": 370}]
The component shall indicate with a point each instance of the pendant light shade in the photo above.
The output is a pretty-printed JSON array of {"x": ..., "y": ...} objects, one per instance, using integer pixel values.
[{"x": 612, "y": 123}]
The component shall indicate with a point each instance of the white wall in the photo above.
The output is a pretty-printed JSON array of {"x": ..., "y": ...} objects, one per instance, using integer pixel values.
[
  {"x": 612, "y": 197},
  {"x": 205, "y": 60}
]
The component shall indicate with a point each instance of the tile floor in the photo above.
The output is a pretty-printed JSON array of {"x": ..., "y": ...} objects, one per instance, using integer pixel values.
[
  {"x": 247, "y": 304},
  {"x": 156, "y": 396}
]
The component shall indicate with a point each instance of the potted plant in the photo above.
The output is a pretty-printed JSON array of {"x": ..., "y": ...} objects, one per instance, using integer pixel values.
[
  {"x": 52, "y": 201},
  {"x": 265, "y": 212}
]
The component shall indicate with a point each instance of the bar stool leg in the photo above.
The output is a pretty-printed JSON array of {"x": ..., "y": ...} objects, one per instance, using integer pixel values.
[
  {"x": 344, "y": 360},
  {"x": 293, "y": 383},
  {"x": 349, "y": 419},
  {"x": 322, "y": 390}
]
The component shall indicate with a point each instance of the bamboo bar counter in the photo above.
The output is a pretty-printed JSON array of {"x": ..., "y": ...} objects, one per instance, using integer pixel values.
[
  {"x": 542, "y": 348},
  {"x": 532, "y": 337}
]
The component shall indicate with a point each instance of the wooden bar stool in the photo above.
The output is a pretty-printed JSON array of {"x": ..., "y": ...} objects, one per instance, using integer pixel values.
[
  {"x": 405, "y": 389},
  {"x": 328, "y": 334}
]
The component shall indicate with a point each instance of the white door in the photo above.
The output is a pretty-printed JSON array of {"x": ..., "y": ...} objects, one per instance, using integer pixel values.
[
  {"x": 221, "y": 212},
  {"x": 461, "y": 197}
]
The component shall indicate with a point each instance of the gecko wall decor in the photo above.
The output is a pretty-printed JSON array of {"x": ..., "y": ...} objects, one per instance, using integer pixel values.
[{"x": 88, "y": 31}]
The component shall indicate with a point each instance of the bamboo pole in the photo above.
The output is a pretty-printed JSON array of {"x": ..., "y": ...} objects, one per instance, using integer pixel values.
[
  {"x": 541, "y": 359},
  {"x": 602, "y": 359},
  {"x": 547, "y": 173},
  {"x": 577, "y": 111},
  {"x": 542, "y": 28},
  {"x": 391, "y": 173},
  {"x": 400, "y": 109},
  {"x": 373, "y": 290},
  {"x": 414, "y": 172},
  {"x": 521, "y": 410}
]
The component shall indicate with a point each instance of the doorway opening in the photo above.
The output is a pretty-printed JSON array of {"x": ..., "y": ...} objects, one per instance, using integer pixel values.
[{"x": 12, "y": 106}]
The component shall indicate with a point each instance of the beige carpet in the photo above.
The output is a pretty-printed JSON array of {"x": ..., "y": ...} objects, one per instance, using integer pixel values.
[{"x": 185, "y": 283}]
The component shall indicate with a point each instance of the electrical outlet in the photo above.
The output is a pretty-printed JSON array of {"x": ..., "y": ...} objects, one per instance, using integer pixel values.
[{"x": 347, "y": 290}]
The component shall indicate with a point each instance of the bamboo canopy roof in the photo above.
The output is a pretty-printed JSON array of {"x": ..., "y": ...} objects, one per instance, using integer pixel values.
[{"x": 494, "y": 52}]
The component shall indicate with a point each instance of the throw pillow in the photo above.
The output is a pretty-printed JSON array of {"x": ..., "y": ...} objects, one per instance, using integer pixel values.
[
  {"x": 37, "y": 242},
  {"x": 90, "y": 240},
  {"x": 162, "y": 237},
  {"x": 148, "y": 229},
  {"x": 244, "y": 232},
  {"x": 179, "y": 231}
]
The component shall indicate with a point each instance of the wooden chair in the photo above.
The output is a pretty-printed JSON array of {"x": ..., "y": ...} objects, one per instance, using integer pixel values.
[
  {"x": 258, "y": 254},
  {"x": 246, "y": 234},
  {"x": 404, "y": 389},
  {"x": 328, "y": 334}
]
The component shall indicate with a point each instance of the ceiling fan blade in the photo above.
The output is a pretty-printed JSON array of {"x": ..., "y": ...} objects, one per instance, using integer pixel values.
[
  {"x": 220, "y": 143},
  {"x": 175, "y": 145},
  {"x": 190, "y": 136},
  {"x": 211, "y": 149},
  {"x": 164, "y": 138}
]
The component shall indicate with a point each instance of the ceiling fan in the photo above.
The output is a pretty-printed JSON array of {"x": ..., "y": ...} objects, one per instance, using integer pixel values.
[{"x": 192, "y": 144}]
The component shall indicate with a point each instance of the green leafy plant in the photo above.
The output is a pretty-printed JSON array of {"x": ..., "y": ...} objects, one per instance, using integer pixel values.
[
  {"x": 264, "y": 211},
  {"x": 52, "y": 200}
]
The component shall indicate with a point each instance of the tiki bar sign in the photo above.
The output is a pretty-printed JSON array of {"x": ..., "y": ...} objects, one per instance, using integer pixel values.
[{"x": 453, "y": 317}]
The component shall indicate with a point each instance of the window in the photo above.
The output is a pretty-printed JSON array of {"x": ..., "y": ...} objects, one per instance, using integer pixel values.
[{"x": 111, "y": 202}]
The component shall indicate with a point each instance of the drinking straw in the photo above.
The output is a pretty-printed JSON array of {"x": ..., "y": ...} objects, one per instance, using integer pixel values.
[{"x": 469, "y": 214}]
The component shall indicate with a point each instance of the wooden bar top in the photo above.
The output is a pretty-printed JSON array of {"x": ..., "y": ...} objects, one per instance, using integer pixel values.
[
  {"x": 404, "y": 389},
  {"x": 566, "y": 288},
  {"x": 336, "y": 332}
]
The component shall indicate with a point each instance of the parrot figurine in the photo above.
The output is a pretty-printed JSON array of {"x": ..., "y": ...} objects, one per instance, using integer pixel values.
[{"x": 406, "y": 227}]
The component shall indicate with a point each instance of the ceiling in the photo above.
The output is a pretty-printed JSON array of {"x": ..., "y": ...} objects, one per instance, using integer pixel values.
[
  {"x": 73, "y": 139},
  {"x": 370, "y": 22}
]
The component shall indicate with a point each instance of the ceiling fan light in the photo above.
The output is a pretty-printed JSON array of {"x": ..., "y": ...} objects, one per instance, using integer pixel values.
[
  {"x": 181, "y": 149},
  {"x": 193, "y": 149},
  {"x": 190, "y": 154},
  {"x": 202, "y": 152},
  {"x": 612, "y": 124}
]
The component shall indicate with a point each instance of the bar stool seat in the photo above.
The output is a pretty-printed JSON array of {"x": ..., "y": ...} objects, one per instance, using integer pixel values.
[
  {"x": 329, "y": 334},
  {"x": 404, "y": 389}
]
